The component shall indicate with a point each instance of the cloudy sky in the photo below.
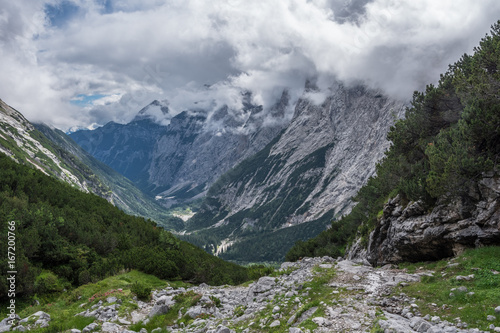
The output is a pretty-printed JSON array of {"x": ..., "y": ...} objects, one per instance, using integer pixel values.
[{"x": 78, "y": 62}]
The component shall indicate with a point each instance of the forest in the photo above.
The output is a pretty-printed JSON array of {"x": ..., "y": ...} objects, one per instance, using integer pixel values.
[{"x": 65, "y": 238}]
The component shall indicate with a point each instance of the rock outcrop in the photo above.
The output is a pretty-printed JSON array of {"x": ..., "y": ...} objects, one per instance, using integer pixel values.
[{"x": 411, "y": 233}]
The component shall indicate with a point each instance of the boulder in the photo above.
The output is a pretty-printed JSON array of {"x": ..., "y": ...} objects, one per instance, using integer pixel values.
[
  {"x": 111, "y": 327},
  {"x": 90, "y": 328},
  {"x": 111, "y": 299},
  {"x": 195, "y": 311},
  {"x": 5, "y": 325},
  {"x": 158, "y": 309},
  {"x": 264, "y": 284}
]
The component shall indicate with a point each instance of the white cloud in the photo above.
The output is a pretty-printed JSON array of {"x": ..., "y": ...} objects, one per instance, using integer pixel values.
[{"x": 135, "y": 51}]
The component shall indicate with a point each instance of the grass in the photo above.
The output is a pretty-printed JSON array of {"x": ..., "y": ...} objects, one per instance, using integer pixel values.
[
  {"x": 62, "y": 307},
  {"x": 286, "y": 271},
  {"x": 433, "y": 293}
]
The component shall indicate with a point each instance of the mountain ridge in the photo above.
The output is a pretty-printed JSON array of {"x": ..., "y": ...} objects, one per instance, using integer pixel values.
[
  {"x": 306, "y": 175},
  {"x": 179, "y": 160}
]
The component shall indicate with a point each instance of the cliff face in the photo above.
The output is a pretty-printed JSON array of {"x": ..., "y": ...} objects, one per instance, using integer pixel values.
[
  {"x": 304, "y": 178},
  {"x": 125, "y": 148},
  {"x": 410, "y": 233},
  {"x": 178, "y": 161}
]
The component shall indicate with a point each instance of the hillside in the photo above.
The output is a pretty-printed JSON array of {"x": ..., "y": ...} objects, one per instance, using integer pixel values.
[
  {"x": 123, "y": 193},
  {"x": 55, "y": 154},
  {"x": 21, "y": 141},
  {"x": 65, "y": 237},
  {"x": 437, "y": 190}
]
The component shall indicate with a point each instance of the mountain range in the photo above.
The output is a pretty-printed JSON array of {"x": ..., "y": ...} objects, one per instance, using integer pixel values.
[
  {"x": 177, "y": 162},
  {"x": 268, "y": 178},
  {"x": 285, "y": 181}
]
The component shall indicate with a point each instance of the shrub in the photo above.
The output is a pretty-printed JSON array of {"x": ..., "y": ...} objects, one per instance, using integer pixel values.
[
  {"x": 48, "y": 282},
  {"x": 141, "y": 291}
]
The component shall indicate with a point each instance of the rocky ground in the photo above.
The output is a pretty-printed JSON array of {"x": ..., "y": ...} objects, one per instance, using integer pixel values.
[{"x": 312, "y": 295}]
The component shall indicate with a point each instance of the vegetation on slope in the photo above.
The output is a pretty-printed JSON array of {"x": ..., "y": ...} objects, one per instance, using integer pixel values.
[
  {"x": 449, "y": 137},
  {"x": 62, "y": 307},
  {"x": 124, "y": 194},
  {"x": 65, "y": 238}
]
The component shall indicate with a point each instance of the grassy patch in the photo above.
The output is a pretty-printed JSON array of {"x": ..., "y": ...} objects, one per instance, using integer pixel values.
[
  {"x": 435, "y": 294},
  {"x": 62, "y": 308}
]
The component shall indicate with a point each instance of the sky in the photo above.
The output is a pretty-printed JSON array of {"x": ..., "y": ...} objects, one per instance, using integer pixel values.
[{"x": 86, "y": 62}]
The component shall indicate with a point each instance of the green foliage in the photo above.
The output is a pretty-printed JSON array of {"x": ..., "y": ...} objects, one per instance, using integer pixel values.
[
  {"x": 47, "y": 282},
  {"x": 239, "y": 311},
  {"x": 142, "y": 291},
  {"x": 257, "y": 271},
  {"x": 67, "y": 237},
  {"x": 216, "y": 301},
  {"x": 62, "y": 307},
  {"x": 450, "y": 135}
]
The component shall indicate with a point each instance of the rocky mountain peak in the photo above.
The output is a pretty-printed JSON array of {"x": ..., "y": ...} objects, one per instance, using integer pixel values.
[
  {"x": 178, "y": 156},
  {"x": 157, "y": 111}
]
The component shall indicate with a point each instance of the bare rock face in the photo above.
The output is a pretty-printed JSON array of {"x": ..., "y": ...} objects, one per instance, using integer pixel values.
[
  {"x": 413, "y": 234},
  {"x": 304, "y": 178}
]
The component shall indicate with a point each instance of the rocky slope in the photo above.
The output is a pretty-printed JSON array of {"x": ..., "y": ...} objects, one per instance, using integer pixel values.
[
  {"x": 312, "y": 295},
  {"x": 302, "y": 180},
  {"x": 178, "y": 161},
  {"x": 20, "y": 140},
  {"x": 409, "y": 232},
  {"x": 54, "y": 153}
]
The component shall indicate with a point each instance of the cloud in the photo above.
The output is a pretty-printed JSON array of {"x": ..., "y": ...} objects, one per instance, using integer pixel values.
[{"x": 199, "y": 54}]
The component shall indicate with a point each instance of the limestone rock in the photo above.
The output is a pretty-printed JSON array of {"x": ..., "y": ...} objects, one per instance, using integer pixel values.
[
  {"x": 329, "y": 150},
  {"x": 445, "y": 231},
  {"x": 90, "y": 328}
]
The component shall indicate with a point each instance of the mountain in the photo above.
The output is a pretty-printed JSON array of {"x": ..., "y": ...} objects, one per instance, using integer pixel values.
[
  {"x": 54, "y": 153},
  {"x": 302, "y": 180},
  {"x": 123, "y": 193},
  {"x": 178, "y": 161}
]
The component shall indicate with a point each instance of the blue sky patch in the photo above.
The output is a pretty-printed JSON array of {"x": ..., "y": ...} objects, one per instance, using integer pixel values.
[
  {"x": 85, "y": 100},
  {"x": 61, "y": 13}
]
